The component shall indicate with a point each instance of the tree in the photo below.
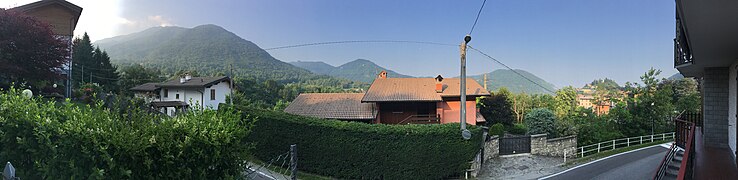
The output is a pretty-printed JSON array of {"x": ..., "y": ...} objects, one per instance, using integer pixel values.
[
  {"x": 92, "y": 65},
  {"x": 496, "y": 109},
  {"x": 135, "y": 75},
  {"x": 29, "y": 51},
  {"x": 81, "y": 59},
  {"x": 540, "y": 121},
  {"x": 566, "y": 101}
]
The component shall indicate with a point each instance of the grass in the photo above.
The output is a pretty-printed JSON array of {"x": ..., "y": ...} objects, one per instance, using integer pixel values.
[
  {"x": 300, "y": 174},
  {"x": 611, "y": 152}
]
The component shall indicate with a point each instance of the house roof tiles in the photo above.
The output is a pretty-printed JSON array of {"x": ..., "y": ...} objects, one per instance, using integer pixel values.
[
  {"x": 194, "y": 82},
  {"x": 332, "y": 106},
  {"x": 419, "y": 89}
]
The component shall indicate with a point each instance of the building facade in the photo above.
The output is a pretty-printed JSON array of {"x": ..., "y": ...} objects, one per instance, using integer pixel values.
[{"x": 187, "y": 92}]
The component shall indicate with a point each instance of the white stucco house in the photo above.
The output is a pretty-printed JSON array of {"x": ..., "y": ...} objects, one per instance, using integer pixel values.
[{"x": 187, "y": 92}]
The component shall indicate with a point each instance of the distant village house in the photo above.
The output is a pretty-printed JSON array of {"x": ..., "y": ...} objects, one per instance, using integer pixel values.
[{"x": 177, "y": 95}]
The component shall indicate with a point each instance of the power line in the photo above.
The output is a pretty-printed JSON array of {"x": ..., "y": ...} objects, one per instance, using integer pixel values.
[
  {"x": 508, "y": 67},
  {"x": 415, "y": 42},
  {"x": 476, "y": 19},
  {"x": 357, "y": 41}
]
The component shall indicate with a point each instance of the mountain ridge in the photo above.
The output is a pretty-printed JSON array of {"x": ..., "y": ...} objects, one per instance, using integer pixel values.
[
  {"x": 208, "y": 49},
  {"x": 361, "y": 70}
]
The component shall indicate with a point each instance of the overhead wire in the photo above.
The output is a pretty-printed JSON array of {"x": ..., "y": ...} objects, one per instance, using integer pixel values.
[
  {"x": 508, "y": 67},
  {"x": 477, "y": 19},
  {"x": 357, "y": 41},
  {"x": 417, "y": 42}
]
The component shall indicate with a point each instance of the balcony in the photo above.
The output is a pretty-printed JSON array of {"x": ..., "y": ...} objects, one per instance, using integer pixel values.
[
  {"x": 422, "y": 119},
  {"x": 689, "y": 158},
  {"x": 682, "y": 51}
]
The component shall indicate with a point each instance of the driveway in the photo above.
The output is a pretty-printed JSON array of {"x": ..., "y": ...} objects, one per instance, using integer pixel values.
[
  {"x": 636, "y": 164},
  {"x": 523, "y": 166}
]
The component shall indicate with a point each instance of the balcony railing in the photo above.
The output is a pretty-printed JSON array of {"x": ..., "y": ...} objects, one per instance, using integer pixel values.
[
  {"x": 682, "y": 51},
  {"x": 684, "y": 140},
  {"x": 422, "y": 119}
]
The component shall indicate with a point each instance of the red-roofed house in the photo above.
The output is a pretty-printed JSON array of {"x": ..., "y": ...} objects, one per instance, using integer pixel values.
[{"x": 396, "y": 101}]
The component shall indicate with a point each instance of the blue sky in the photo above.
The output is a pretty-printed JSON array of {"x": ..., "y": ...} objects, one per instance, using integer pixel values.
[{"x": 566, "y": 42}]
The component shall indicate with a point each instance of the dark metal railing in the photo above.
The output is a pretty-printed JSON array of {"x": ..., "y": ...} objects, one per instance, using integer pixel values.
[
  {"x": 421, "y": 119},
  {"x": 693, "y": 117},
  {"x": 686, "y": 142},
  {"x": 661, "y": 171},
  {"x": 682, "y": 51}
]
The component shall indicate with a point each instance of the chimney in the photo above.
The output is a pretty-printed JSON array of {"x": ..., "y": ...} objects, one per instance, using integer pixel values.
[
  {"x": 382, "y": 75},
  {"x": 188, "y": 76},
  {"x": 439, "y": 85},
  {"x": 182, "y": 80}
]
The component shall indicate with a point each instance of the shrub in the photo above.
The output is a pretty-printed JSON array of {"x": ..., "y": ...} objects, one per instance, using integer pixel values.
[
  {"x": 541, "y": 121},
  {"x": 353, "y": 150},
  {"x": 497, "y": 129},
  {"x": 48, "y": 140},
  {"x": 518, "y": 128}
]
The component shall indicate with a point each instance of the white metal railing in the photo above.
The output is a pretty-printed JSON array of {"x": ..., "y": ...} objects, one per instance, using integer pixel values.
[{"x": 620, "y": 143}]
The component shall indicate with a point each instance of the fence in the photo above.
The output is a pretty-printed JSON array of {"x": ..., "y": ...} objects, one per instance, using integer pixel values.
[{"x": 620, "y": 143}]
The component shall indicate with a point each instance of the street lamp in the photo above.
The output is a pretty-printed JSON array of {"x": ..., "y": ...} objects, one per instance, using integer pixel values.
[{"x": 652, "y": 120}]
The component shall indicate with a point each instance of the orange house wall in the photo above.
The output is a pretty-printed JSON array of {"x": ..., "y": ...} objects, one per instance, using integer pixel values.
[{"x": 450, "y": 110}]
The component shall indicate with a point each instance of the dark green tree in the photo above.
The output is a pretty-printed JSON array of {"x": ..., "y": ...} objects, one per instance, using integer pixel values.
[
  {"x": 496, "y": 109},
  {"x": 540, "y": 121},
  {"x": 135, "y": 75},
  {"x": 92, "y": 65}
]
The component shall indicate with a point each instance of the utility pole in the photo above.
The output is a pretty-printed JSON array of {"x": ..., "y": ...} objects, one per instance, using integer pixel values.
[
  {"x": 464, "y": 132},
  {"x": 485, "y": 81},
  {"x": 231, "y": 83},
  {"x": 293, "y": 162}
]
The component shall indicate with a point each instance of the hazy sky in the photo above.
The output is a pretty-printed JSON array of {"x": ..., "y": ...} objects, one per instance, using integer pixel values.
[{"x": 566, "y": 42}]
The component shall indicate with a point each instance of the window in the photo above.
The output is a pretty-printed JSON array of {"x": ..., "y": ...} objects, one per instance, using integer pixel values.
[
  {"x": 166, "y": 92},
  {"x": 212, "y": 94},
  {"x": 177, "y": 96}
]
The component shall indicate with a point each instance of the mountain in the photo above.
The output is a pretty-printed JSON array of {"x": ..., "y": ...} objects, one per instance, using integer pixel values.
[
  {"x": 207, "y": 49},
  {"x": 676, "y": 76},
  {"x": 514, "y": 82},
  {"x": 361, "y": 70},
  {"x": 317, "y": 67}
]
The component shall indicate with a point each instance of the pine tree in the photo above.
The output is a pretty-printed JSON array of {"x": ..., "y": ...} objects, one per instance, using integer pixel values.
[
  {"x": 81, "y": 60},
  {"x": 92, "y": 65}
]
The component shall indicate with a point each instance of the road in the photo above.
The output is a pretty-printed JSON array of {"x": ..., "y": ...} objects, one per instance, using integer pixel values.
[
  {"x": 637, "y": 164},
  {"x": 256, "y": 172}
]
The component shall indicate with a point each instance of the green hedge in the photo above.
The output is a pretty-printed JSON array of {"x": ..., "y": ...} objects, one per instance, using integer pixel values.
[
  {"x": 352, "y": 150},
  {"x": 48, "y": 140}
]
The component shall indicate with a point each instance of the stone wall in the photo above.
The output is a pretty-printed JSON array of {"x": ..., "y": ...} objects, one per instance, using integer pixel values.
[
  {"x": 715, "y": 87},
  {"x": 491, "y": 147},
  {"x": 541, "y": 145}
]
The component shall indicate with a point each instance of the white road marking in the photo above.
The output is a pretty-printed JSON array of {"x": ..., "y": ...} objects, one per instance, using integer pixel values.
[{"x": 608, "y": 157}]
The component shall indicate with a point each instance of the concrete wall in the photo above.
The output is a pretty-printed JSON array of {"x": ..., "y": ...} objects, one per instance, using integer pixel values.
[
  {"x": 541, "y": 145},
  {"x": 732, "y": 95},
  {"x": 715, "y": 89}
]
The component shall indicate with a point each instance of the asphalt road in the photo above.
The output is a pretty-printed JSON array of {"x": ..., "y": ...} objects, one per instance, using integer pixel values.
[{"x": 639, "y": 164}]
